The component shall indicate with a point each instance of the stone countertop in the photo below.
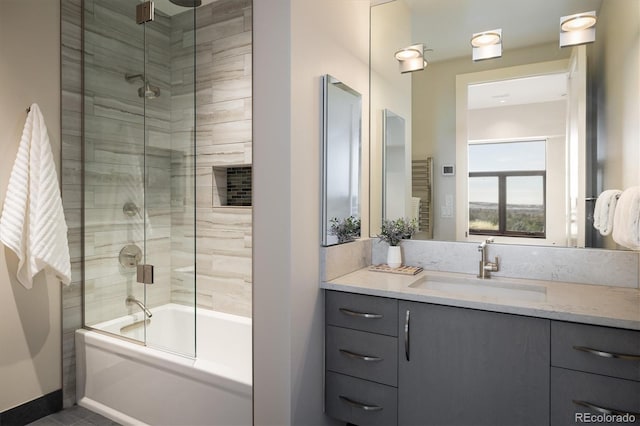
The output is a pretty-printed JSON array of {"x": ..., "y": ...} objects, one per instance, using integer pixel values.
[{"x": 588, "y": 304}]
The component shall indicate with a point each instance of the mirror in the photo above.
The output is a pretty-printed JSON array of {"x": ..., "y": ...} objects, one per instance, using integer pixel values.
[
  {"x": 396, "y": 166},
  {"x": 580, "y": 101},
  {"x": 341, "y": 140}
]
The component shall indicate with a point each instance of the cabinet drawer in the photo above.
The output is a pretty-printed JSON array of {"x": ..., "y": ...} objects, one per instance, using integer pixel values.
[
  {"x": 594, "y": 349},
  {"x": 360, "y": 312},
  {"x": 568, "y": 386},
  {"x": 359, "y": 401},
  {"x": 361, "y": 354}
]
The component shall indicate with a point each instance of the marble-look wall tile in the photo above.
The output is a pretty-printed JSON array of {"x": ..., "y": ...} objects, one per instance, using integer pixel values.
[
  {"x": 71, "y": 178},
  {"x": 223, "y": 138},
  {"x": 575, "y": 265}
]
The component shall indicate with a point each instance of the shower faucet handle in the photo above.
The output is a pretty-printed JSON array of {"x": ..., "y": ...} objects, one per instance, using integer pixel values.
[{"x": 145, "y": 274}]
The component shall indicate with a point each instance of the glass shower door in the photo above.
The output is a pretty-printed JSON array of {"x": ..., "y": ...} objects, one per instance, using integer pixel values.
[
  {"x": 169, "y": 133},
  {"x": 138, "y": 174}
]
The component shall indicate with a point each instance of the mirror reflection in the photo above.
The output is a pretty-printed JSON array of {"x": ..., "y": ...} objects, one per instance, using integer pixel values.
[
  {"x": 520, "y": 144},
  {"x": 341, "y": 140}
]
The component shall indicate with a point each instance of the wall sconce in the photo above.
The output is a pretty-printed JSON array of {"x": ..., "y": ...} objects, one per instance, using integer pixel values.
[
  {"x": 578, "y": 29},
  {"x": 487, "y": 45},
  {"x": 411, "y": 58}
]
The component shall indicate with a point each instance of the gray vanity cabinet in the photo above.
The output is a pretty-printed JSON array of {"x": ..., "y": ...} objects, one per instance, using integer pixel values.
[
  {"x": 595, "y": 370},
  {"x": 361, "y": 357},
  {"x": 392, "y": 361},
  {"x": 468, "y": 367}
]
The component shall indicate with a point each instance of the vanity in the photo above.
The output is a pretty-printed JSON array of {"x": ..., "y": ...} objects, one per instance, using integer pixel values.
[
  {"x": 443, "y": 348},
  {"x": 446, "y": 348}
]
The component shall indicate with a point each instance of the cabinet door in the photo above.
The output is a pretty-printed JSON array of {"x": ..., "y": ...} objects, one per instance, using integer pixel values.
[{"x": 466, "y": 367}]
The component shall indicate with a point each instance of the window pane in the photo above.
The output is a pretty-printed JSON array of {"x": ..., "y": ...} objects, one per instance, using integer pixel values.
[
  {"x": 507, "y": 156},
  {"x": 525, "y": 204},
  {"x": 483, "y": 203}
]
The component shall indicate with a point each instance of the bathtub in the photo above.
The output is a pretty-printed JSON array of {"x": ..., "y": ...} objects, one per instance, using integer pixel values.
[{"x": 134, "y": 384}]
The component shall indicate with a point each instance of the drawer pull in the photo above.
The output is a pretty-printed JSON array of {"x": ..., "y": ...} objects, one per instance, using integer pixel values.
[
  {"x": 360, "y": 405},
  {"x": 602, "y": 410},
  {"x": 604, "y": 354},
  {"x": 360, "y": 314},
  {"x": 361, "y": 357},
  {"x": 406, "y": 334}
]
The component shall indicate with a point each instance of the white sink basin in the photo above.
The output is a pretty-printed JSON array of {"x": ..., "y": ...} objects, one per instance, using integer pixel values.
[{"x": 492, "y": 288}]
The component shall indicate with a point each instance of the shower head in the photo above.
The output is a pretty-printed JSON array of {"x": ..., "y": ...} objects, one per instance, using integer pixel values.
[
  {"x": 149, "y": 91},
  {"x": 187, "y": 3}
]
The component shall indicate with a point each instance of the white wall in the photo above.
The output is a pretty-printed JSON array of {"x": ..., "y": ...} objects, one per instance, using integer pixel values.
[
  {"x": 30, "y": 335},
  {"x": 618, "y": 53},
  {"x": 392, "y": 91},
  {"x": 295, "y": 43}
]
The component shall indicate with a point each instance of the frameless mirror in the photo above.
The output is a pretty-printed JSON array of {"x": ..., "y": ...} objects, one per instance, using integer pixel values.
[
  {"x": 518, "y": 146},
  {"x": 341, "y": 140},
  {"x": 396, "y": 167}
]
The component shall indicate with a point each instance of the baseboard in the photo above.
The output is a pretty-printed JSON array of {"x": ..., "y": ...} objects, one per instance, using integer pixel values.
[
  {"x": 32, "y": 410},
  {"x": 109, "y": 412}
]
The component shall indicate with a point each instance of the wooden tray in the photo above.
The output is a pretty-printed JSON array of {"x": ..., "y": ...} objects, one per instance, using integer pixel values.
[{"x": 403, "y": 270}]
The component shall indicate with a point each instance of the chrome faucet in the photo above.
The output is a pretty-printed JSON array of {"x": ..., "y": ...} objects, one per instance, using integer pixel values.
[
  {"x": 485, "y": 268},
  {"x": 131, "y": 300}
]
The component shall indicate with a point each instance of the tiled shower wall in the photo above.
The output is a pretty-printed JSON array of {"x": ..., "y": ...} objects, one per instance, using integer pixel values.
[
  {"x": 116, "y": 123},
  {"x": 71, "y": 170},
  {"x": 113, "y": 146},
  {"x": 223, "y": 118}
]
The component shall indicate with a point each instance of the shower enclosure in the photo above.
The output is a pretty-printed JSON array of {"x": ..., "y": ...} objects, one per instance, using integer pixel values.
[
  {"x": 139, "y": 166},
  {"x": 166, "y": 164},
  {"x": 156, "y": 161}
]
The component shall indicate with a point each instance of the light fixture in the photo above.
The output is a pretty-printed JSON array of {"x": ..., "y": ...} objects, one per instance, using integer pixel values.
[
  {"x": 486, "y": 44},
  {"x": 579, "y": 28},
  {"x": 485, "y": 39},
  {"x": 411, "y": 58}
]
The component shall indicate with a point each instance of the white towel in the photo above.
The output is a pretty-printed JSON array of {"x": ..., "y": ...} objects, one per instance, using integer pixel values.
[
  {"x": 603, "y": 213},
  {"x": 626, "y": 222},
  {"x": 415, "y": 208},
  {"x": 32, "y": 222}
]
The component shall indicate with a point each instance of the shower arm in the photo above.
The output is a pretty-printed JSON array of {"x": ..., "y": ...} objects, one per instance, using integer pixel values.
[{"x": 132, "y": 77}]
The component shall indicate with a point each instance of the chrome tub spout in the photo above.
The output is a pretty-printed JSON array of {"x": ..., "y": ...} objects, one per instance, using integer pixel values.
[{"x": 132, "y": 300}]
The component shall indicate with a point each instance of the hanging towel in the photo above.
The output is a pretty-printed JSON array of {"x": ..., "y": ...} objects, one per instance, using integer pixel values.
[
  {"x": 626, "y": 221},
  {"x": 32, "y": 222},
  {"x": 603, "y": 213},
  {"x": 415, "y": 208}
]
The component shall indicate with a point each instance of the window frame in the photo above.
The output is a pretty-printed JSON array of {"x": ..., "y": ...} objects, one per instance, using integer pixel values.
[{"x": 502, "y": 204}]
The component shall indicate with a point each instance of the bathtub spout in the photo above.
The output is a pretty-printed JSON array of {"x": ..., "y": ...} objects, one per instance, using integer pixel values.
[{"x": 131, "y": 300}]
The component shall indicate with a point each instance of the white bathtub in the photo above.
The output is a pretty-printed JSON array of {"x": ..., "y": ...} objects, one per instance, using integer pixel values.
[{"x": 136, "y": 385}]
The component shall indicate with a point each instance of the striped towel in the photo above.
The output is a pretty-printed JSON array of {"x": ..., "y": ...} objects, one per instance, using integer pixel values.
[{"x": 32, "y": 223}]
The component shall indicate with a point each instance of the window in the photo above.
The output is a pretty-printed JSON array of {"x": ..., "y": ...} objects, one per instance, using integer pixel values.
[{"x": 507, "y": 187}]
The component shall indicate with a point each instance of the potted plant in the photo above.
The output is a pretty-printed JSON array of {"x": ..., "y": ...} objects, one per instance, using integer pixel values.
[
  {"x": 392, "y": 232},
  {"x": 346, "y": 230}
]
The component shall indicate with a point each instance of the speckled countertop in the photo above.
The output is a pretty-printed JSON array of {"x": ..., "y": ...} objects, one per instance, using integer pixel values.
[{"x": 589, "y": 304}]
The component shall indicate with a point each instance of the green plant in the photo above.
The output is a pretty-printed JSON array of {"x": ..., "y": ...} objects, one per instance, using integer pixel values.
[
  {"x": 346, "y": 229},
  {"x": 393, "y": 231}
]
